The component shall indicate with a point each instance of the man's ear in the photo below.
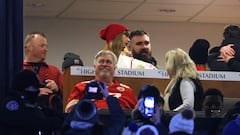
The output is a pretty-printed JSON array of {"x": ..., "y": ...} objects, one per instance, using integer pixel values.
[{"x": 28, "y": 47}]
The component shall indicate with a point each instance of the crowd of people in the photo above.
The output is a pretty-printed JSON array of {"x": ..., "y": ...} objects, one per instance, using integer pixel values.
[{"x": 34, "y": 105}]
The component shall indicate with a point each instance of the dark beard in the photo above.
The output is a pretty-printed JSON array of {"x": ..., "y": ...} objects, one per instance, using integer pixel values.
[{"x": 145, "y": 56}]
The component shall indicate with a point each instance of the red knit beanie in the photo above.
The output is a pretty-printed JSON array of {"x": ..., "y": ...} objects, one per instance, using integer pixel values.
[{"x": 111, "y": 31}]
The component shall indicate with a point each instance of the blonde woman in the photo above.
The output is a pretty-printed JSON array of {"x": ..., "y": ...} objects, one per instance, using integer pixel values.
[
  {"x": 184, "y": 90},
  {"x": 116, "y": 37}
]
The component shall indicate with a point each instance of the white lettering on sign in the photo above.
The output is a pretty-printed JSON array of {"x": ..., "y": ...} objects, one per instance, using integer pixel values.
[
  {"x": 217, "y": 76},
  {"x": 80, "y": 70},
  {"x": 148, "y": 73},
  {"x": 134, "y": 73}
]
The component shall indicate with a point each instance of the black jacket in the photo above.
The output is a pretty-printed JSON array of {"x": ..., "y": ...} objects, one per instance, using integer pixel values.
[
  {"x": 19, "y": 117},
  {"x": 233, "y": 64},
  {"x": 175, "y": 98}
]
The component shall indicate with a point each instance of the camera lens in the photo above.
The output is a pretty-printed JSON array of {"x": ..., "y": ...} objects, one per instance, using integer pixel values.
[{"x": 86, "y": 110}]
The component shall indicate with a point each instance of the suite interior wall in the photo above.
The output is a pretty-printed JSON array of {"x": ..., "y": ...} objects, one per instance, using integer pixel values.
[{"x": 82, "y": 36}]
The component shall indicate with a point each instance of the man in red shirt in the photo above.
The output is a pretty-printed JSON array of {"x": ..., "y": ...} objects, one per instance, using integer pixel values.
[
  {"x": 104, "y": 67},
  {"x": 50, "y": 76}
]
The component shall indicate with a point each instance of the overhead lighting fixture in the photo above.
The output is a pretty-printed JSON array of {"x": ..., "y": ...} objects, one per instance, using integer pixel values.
[
  {"x": 38, "y": 4},
  {"x": 167, "y": 10}
]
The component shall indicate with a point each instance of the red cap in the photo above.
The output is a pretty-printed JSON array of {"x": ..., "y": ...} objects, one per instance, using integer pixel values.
[{"x": 111, "y": 31}]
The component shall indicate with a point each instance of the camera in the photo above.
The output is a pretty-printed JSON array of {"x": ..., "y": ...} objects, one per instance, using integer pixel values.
[
  {"x": 93, "y": 91},
  {"x": 86, "y": 110},
  {"x": 148, "y": 105},
  {"x": 84, "y": 115},
  {"x": 43, "y": 84}
]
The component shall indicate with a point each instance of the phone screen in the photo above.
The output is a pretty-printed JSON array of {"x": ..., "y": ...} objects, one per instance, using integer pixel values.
[{"x": 148, "y": 106}]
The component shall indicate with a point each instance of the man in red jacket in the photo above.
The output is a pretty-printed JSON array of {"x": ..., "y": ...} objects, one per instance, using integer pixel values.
[
  {"x": 104, "y": 67},
  {"x": 50, "y": 76}
]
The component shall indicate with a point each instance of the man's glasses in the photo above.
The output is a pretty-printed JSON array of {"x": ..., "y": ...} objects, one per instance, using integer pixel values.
[{"x": 141, "y": 43}]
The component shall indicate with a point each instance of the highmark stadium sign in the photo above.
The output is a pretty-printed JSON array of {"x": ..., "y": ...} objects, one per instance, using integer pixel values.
[{"x": 162, "y": 74}]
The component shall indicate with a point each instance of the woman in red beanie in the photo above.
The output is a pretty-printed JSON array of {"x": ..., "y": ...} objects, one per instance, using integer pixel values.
[{"x": 116, "y": 36}]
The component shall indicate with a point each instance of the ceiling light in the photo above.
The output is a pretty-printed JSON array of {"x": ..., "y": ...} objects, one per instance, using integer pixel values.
[
  {"x": 167, "y": 10},
  {"x": 38, "y": 4}
]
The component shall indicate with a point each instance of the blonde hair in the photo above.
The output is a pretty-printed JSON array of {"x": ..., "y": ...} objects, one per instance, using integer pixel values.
[
  {"x": 32, "y": 35},
  {"x": 116, "y": 45},
  {"x": 179, "y": 65}
]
